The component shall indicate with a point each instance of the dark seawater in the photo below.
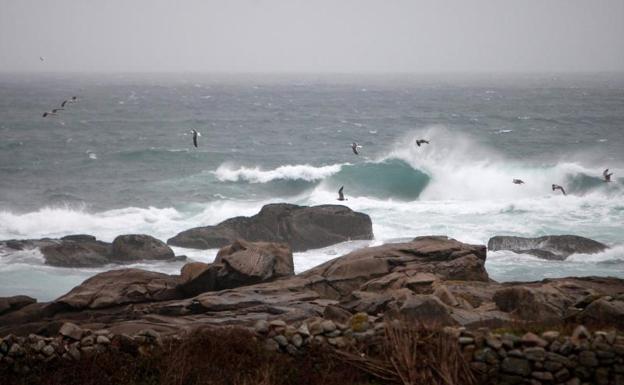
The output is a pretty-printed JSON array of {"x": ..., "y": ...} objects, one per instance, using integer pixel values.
[{"x": 121, "y": 160}]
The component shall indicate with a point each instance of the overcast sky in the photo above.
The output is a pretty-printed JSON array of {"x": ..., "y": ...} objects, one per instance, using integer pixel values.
[{"x": 312, "y": 35}]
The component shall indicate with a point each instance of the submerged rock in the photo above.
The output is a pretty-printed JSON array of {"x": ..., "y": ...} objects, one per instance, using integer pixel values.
[
  {"x": 554, "y": 247},
  {"x": 300, "y": 227}
]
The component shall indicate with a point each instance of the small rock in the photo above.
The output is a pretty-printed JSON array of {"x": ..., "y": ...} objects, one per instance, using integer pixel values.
[
  {"x": 580, "y": 333},
  {"x": 336, "y": 313},
  {"x": 543, "y": 376},
  {"x": 530, "y": 339},
  {"x": 297, "y": 340},
  {"x": 535, "y": 354},
  {"x": 87, "y": 341},
  {"x": 550, "y": 336},
  {"x": 315, "y": 327},
  {"x": 71, "y": 330},
  {"x": 333, "y": 334},
  {"x": 493, "y": 341},
  {"x": 328, "y": 326},
  {"x": 303, "y": 330},
  {"x": 16, "y": 350},
  {"x": 74, "y": 352},
  {"x": 271, "y": 345},
  {"x": 40, "y": 344},
  {"x": 587, "y": 358},
  {"x": 517, "y": 366},
  {"x": 562, "y": 375},
  {"x": 48, "y": 350},
  {"x": 291, "y": 349},
  {"x": 338, "y": 342},
  {"x": 281, "y": 340},
  {"x": 277, "y": 324},
  {"x": 261, "y": 326},
  {"x": 103, "y": 340}
]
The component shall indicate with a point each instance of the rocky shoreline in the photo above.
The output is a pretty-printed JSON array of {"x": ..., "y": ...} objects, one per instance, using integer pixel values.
[{"x": 435, "y": 282}]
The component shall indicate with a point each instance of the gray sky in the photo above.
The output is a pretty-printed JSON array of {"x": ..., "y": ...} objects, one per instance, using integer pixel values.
[{"x": 312, "y": 35}]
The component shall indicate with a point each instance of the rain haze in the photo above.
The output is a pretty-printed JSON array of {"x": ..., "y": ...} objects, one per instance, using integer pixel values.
[{"x": 311, "y": 36}]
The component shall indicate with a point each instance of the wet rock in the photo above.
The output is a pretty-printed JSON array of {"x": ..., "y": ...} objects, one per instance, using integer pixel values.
[
  {"x": 555, "y": 247},
  {"x": 300, "y": 227},
  {"x": 138, "y": 247}
]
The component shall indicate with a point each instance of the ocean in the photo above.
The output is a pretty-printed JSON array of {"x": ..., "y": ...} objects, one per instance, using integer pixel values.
[{"x": 121, "y": 161}]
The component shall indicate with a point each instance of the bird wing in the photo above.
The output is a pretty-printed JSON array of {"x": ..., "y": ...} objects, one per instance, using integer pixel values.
[
  {"x": 195, "y": 140},
  {"x": 64, "y": 103}
]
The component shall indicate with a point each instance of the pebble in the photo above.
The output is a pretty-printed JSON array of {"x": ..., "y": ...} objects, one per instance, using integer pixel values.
[{"x": 71, "y": 330}]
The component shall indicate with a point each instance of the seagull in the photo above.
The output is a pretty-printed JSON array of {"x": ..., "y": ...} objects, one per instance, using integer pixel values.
[
  {"x": 607, "y": 175},
  {"x": 518, "y": 181},
  {"x": 51, "y": 113},
  {"x": 341, "y": 195},
  {"x": 73, "y": 99},
  {"x": 421, "y": 141},
  {"x": 354, "y": 147},
  {"x": 557, "y": 187},
  {"x": 195, "y": 135},
  {"x": 41, "y": 58}
]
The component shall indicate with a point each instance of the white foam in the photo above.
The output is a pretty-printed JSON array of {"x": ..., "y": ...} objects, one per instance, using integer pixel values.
[{"x": 306, "y": 172}]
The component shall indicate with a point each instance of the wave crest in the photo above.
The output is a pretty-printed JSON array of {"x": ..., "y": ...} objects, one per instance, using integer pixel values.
[{"x": 305, "y": 172}]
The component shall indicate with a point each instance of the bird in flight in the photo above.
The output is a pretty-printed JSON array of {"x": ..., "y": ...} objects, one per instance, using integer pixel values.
[
  {"x": 354, "y": 147},
  {"x": 421, "y": 141},
  {"x": 51, "y": 113},
  {"x": 341, "y": 195},
  {"x": 73, "y": 99},
  {"x": 557, "y": 187},
  {"x": 607, "y": 175},
  {"x": 518, "y": 181},
  {"x": 195, "y": 135}
]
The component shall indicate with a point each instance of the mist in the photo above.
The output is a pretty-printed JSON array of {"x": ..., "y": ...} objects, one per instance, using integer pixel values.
[{"x": 322, "y": 36}]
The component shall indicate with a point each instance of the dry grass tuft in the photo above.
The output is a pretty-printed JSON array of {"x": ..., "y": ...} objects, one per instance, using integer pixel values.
[{"x": 414, "y": 354}]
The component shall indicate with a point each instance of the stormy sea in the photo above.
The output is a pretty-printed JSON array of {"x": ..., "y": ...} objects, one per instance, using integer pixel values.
[{"x": 121, "y": 160}]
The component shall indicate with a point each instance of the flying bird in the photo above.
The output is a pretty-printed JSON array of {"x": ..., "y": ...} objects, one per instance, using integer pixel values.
[
  {"x": 421, "y": 141},
  {"x": 341, "y": 195},
  {"x": 51, "y": 113},
  {"x": 557, "y": 187},
  {"x": 607, "y": 175},
  {"x": 41, "y": 58},
  {"x": 518, "y": 181},
  {"x": 354, "y": 147},
  {"x": 73, "y": 99},
  {"x": 195, "y": 135}
]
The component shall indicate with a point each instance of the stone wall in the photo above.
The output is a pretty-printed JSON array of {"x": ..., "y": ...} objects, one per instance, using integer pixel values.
[{"x": 582, "y": 358}]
